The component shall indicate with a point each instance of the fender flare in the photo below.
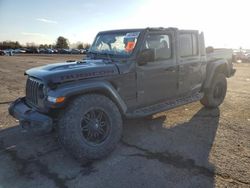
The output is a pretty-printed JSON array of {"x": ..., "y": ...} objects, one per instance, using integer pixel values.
[
  {"x": 212, "y": 68},
  {"x": 104, "y": 87}
]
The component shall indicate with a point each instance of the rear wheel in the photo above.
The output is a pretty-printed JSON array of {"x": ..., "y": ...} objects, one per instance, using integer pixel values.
[
  {"x": 90, "y": 127},
  {"x": 215, "y": 95}
]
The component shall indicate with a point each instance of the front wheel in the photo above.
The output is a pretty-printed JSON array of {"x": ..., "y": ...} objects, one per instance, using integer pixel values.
[
  {"x": 216, "y": 93},
  {"x": 90, "y": 127}
]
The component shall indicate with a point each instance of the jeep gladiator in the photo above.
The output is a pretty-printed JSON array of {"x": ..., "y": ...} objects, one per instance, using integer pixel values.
[{"x": 127, "y": 73}]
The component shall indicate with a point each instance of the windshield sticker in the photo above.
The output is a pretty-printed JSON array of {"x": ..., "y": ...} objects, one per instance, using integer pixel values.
[{"x": 130, "y": 46}]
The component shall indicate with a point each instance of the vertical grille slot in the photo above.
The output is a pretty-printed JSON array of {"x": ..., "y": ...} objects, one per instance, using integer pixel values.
[{"x": 32, "y": 90}]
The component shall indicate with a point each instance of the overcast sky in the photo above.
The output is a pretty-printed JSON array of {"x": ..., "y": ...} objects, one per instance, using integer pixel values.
[{"x": 224, "y": 22}]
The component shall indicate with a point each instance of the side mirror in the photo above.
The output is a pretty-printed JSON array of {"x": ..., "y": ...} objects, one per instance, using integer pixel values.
[
  {"x": 209, "y": 49},
  {"x": 145, "y": 56}
]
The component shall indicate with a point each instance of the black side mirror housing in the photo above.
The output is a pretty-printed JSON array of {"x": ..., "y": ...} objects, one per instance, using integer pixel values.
[
  {"x": 145, "y": 56},
  {"x": 209, "y": 49}
]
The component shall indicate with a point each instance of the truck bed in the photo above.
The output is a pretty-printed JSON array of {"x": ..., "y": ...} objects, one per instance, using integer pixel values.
[{"x": 220, "y": 53}]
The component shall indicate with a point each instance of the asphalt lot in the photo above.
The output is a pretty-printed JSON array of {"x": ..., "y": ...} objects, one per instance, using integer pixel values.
[{"x": 189, "y": 146}]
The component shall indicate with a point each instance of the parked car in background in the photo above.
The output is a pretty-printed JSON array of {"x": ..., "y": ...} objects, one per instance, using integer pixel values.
[
  {"x": 2, "y": 52},
  {"x": 18, "y": 51},
  {"x": 41, "y": 50},
  {"x": 32, "y": 50},
  {"x": 247, "y": 57},
  {"x": 75, "y": 51},
  {"x": 9, "y": 52},
  {"x": 64, "y": 51},
  {"x": 84, "y": 51},
  {"x": 49, "y": 51},
  {"x": 46, "y": 51},
  {"x": 241, "y": 55},
  {"x": 55, "y": 51}
]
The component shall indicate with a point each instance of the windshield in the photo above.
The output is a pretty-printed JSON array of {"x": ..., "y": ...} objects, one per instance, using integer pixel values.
[{"x": 120, "y": 43}]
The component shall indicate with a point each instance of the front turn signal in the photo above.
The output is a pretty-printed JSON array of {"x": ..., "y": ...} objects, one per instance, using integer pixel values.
[
  {"x": 56, "y": 99},
  {"x": 60, "y": 99}
]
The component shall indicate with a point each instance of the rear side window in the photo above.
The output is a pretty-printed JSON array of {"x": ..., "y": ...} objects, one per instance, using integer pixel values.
[{"x": 188, "y": 45}]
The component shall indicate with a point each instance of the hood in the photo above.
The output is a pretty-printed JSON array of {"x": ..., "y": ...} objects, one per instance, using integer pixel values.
[{"x": 73, "y": 70}]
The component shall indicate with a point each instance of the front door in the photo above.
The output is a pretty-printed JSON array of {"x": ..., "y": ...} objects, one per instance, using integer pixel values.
[{"x": 157, "y": 80}]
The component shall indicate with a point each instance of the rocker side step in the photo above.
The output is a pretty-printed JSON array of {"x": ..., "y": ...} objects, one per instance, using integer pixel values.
[{"x": 149, "y": 110}]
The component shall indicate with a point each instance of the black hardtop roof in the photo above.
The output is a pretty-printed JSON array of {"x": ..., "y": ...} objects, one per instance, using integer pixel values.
[
  {"x": 144, "y": 29},
  {"x": 122, "y": 30}
]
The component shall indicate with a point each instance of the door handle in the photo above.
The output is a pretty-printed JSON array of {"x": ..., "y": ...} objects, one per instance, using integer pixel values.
[
  {"x": 170, "y": 69},
  {"x": 193, "y": 65}
]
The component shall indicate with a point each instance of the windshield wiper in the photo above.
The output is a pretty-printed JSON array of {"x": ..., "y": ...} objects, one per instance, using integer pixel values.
[
  {"x": 108, "y": 55},
  {"x": 92, "y": 53}
]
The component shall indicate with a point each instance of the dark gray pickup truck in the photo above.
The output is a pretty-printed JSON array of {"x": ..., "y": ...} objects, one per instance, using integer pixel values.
[{"x": 127, "y": 74}]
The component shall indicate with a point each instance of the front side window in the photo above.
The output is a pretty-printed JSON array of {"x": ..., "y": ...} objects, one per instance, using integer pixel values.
[
  {"x": 160, "y": 43},
  {"x": 120, "y": 43}
]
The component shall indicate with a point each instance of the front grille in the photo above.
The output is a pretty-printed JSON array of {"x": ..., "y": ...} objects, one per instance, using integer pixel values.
[{"x": 33, "y": 90}]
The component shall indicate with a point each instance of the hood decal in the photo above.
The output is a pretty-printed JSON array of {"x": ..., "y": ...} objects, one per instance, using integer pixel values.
[{"x": 78, "y": 76}]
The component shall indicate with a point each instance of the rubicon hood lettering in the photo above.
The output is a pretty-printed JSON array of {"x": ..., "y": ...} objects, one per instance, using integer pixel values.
[{"x": 86, "y": 75}]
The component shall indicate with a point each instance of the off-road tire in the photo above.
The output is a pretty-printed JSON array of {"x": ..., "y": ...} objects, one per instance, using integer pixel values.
[
  {"x": 70, "y": 127},
  {"x": 210, "y": 99}
]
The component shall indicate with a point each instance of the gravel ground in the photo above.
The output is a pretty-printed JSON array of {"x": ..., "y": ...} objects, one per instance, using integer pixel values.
[{"x": 189, "y": 146}]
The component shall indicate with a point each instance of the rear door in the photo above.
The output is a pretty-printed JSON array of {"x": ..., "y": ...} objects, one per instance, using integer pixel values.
[
  {"x": 157, "y": 80},
  {"x": 190, "y": 65}
]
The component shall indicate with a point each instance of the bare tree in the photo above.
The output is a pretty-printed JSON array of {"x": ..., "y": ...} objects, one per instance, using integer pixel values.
[
  {"x": 86, "y": 45},
  {"x": 80, "y": 46},
  {"x": 62, "y": 42}
]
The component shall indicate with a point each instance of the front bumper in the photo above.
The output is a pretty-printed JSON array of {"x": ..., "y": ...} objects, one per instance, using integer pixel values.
[{"x": 29, "y": 118}]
